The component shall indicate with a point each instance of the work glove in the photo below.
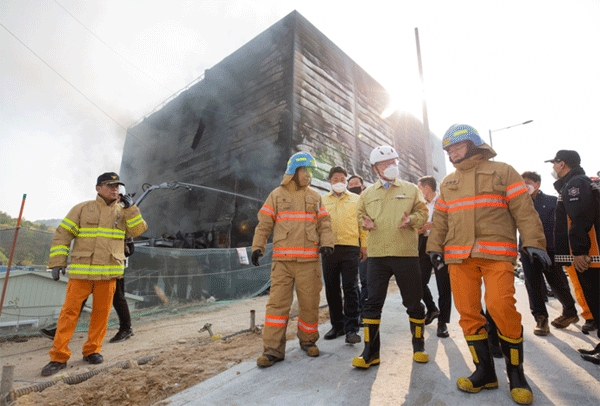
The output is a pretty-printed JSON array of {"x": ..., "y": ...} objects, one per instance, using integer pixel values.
[
  {"x": 437, "y": 259},
  {"x": 129, "y": 247},
  {"x": 541, "y": 255},
  {"x": 56, "y": 272},
  {"x": 255, "y": 255},
  {"x": 127, "y": 201},
  {"x": 325, "y": 251}
]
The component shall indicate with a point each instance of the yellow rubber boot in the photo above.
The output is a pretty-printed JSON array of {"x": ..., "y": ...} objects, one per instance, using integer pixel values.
[
  {"x": 417, "y": 328},
  {"x": 512, "y": 348},
  {"x": 370, "y": 355},
  {"x": 484, "y": 376}
]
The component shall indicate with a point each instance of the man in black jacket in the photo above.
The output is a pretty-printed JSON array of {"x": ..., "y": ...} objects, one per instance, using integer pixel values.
[
  {"x": 534, "y": 272},
  {"x": 577, "y": 229}
]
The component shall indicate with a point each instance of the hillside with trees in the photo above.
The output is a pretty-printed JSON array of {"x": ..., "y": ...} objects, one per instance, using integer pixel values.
[{"x": 33, "y": 241}]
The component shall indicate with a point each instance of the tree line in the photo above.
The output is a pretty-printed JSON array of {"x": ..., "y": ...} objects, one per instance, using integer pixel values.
[{"x": 33, "y": 241}]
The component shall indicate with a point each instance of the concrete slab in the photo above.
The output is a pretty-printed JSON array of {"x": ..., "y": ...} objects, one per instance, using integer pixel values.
[{"x": 555, "y": 371}]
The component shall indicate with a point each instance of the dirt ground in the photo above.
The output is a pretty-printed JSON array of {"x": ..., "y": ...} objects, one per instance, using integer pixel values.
[{"x": 180, "y": 357}]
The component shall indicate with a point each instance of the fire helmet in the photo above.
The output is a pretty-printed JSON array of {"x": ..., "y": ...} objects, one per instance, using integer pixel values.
[
  {"x": 382, "y": 153},
  {"x": 298, "y": 160},
  {"x": 459, "y": 133}
]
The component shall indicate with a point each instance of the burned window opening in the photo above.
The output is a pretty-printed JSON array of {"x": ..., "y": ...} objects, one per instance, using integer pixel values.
[{"x": 199, "y": 134}]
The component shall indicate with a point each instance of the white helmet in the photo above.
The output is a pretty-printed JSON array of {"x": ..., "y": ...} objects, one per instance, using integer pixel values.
[
  {"x": 122, "y": 190},
  {"x": 382, "y": 153}
]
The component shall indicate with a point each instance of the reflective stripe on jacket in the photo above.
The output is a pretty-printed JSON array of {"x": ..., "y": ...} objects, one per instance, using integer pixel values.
[
  {"x": 298, "y": 220},
  {"x": 577, "y": 226},
  {"x": 480, "y": 207},
  {"x": 98, "y": 231}
]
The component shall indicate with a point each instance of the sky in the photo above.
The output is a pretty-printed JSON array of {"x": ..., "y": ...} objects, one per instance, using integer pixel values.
[{"x": 75, "y": 74}]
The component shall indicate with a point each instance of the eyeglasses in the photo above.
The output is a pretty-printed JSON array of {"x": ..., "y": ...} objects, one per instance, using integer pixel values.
[{"x": 456, "y": 147}]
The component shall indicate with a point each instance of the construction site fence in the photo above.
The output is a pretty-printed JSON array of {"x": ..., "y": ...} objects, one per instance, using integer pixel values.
[{"x": 159, "y": 283}]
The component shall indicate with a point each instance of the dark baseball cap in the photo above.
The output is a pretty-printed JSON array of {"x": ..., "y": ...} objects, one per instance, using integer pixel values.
[
  {"x": 571, "y": 158},
  {"x": 109, "y": 178}
]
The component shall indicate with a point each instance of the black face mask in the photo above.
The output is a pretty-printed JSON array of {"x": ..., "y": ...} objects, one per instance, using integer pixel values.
[{"x": 357, "y": 190}]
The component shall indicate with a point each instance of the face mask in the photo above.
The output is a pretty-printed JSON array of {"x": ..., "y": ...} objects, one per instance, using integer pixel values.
[
  {"x": 339, "y": 187},
  {"x": 356, "y": 189},
  {"x": 391, "y": 172},
  {"x": 530, "y": 189},
  {"x": 554, "y": 174}
]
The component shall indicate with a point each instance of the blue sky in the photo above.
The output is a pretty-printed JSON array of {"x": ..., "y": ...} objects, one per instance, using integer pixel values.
[{"x": 488, "y": 64}]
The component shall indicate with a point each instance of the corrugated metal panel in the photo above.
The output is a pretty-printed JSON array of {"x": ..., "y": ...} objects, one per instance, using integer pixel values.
[{"x": 32, "y": 295}]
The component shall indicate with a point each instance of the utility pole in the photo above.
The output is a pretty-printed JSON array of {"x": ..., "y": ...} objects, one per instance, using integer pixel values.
[{"x": 428, "y": 154}]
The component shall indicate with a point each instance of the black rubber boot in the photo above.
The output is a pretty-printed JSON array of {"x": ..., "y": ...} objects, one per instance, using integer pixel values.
[
  {"x": 417, "y": 328},
  {"x": 492, "y": 335},
  {"x": 370, "y": 355},
  {"x": 513, "y": 355},
  {"x": 484, "y": 376}
]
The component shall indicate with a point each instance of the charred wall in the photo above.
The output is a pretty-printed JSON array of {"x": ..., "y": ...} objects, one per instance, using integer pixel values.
[
  {"x": 288, "y": 89},
  {"x": 338, "y": 106},
  {"x": 230, "y": 131}
]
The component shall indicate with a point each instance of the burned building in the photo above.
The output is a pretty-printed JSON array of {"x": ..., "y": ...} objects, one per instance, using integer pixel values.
[{"x": 289, "y": 89}]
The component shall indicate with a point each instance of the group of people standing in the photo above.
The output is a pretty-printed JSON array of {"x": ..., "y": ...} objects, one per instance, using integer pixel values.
[{"x": 466, "y": 233}]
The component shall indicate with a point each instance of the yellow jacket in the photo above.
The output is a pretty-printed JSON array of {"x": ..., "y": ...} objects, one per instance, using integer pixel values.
[
  {"x": 480, "y": 207},
  {"x": 98, "y": 230},
  {"x": 342, "y": 210},
  {"x": 386, "y": 208},
  {"x": 298, "y": 220}
]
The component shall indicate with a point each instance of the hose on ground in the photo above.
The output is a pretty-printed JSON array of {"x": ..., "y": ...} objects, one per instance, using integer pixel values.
[{"x": 72, "y": 380}]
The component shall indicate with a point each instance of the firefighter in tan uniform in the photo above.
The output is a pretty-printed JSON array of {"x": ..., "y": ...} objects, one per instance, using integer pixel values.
[
  {"x": 301, "y": 229},
  {"x": 480, "y": 207},
  {"x": 98, "y": 229}
]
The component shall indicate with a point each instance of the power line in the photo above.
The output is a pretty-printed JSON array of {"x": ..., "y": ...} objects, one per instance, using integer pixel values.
[
  {"x": 112, "y": 49},
  {"x": 63, "y": 78}
]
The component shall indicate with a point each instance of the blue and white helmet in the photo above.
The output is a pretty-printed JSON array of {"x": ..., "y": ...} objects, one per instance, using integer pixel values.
[
  {"x": 459, "y": 133},
  {"x": 298, "y": 160}
]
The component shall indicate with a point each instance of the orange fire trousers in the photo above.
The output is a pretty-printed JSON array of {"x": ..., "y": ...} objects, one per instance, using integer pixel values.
[
  {"x": 585, "y": 310},
  {"x": 498, "y": 279},
  {"x": 307, "y": 278},
  {"x": 77, "y": 291}
]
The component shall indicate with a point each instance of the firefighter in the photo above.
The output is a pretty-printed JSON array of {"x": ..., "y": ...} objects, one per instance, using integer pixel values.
[
  {"x": 301, "y": 227},
  {"x": 480, "y": 207},
  {"x": 391, "y": 210},
  {"x": 98, "y": 229}
]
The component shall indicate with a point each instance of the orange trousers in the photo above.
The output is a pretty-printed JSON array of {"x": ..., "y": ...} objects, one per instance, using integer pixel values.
[
  {"x": 498, "y": 277},
  {"x": 585, "y": 310},
  {"x": 306, "y": 276},
  {"x": 77, "y": 291}
]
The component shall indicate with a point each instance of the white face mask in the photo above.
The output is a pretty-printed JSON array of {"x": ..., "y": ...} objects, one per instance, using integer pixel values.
[
  {"x": 391, "y": 172},
  {"x": 530, "y": 189},
  {"x": 554, "y": 174},
  {"x": 339, "y": 187}
]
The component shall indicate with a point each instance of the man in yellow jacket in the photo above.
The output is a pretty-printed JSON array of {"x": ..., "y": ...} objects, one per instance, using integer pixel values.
[
  {"x": 480, "y": 207},
  {"x": 301, "y": 229},
  {"x": 350, "y": 246},
  {"x": 391, "y": 210},
  {"x": 92, "y": 235}
]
